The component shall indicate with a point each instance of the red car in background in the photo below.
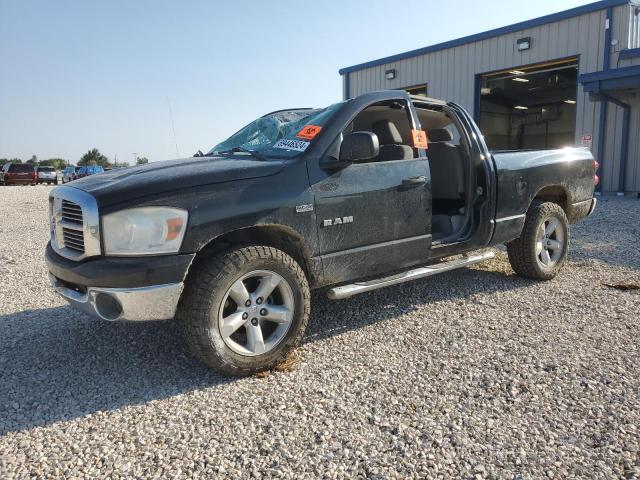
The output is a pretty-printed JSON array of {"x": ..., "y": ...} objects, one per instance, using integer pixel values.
[{"x": 19, "y": 174}]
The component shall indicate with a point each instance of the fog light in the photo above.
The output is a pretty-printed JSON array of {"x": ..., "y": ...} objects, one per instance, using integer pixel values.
[{"x": 107, "y": 306}]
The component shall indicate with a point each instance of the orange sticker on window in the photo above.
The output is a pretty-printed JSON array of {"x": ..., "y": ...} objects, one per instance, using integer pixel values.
[
  {"x": 309, "y": 132},
  {"x": 420, "y": 139}
]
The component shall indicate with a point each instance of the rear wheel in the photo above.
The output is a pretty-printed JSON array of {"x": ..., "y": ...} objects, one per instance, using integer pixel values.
[
  {"x": 244, "y": 310},
  {"x": 541, "y": 250}
]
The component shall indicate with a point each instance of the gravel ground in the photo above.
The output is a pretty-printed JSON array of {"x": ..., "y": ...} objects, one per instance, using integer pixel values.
[{"x": 471, "y": 374}]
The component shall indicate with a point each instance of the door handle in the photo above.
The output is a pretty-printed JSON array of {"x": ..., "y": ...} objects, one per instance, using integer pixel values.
[{"x": 412, "y": 181}]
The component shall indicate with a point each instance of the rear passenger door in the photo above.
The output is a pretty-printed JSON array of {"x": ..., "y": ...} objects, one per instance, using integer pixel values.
[{"x": 374, "y": 216}]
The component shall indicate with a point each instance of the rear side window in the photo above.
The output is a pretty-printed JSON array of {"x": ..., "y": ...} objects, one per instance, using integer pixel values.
[{"x": 21, "y": 168}]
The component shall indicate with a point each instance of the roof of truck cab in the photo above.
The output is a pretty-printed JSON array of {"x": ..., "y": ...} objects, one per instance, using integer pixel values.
[{"x": 396, "y": 94}]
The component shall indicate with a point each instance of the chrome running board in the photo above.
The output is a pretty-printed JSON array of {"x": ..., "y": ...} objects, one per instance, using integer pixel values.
[{"x": 347, "y": 291}]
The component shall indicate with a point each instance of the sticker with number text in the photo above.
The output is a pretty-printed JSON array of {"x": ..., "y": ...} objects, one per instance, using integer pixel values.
[{"x": 296, "y": 145}]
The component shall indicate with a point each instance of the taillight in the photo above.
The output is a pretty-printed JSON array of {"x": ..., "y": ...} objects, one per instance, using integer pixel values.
[{"x": 596, "y": 178}]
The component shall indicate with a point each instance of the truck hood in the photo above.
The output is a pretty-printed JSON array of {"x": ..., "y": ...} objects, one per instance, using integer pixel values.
[{"x": 126, "y": 184}]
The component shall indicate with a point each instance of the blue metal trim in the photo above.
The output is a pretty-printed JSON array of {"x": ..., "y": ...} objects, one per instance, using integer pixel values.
[
  {"x": 612, "y": 74},
  {"x": 536, "y": 22},
  {"x": 606, "y": 63},
  {"x": 624, "y": 154},
  {"x": 601, "y": 138},
  {"x": 606, "y": 58},
  {"x": 629, "y": 53},
  {"x": 620, "y": 83}
]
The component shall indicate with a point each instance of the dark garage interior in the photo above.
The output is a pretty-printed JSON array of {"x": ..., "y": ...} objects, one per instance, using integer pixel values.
[{"x": 530, "y": 107}]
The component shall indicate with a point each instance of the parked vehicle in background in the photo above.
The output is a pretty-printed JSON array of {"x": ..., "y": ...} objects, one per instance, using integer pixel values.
[
  {"x": 19, "y": 174},
  {"x": 48, "y": 175},
  {"x": 69, "y": 174},
  {"x": 367, "y": 193},
  {"x": 87, "y": 171}
]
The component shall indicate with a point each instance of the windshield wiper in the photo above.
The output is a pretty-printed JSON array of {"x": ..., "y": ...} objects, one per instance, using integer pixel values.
[{"x": 242, "y": 149}]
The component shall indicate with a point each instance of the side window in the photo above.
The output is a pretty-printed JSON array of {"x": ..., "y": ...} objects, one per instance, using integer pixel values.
[
  {"x": 440, "y": 127},
  {"x": 390, "y": 121}
]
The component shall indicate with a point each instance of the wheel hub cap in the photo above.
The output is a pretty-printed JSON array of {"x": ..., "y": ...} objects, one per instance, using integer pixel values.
[
  {"x": 256, "y": 313},
  {"x": 550, "y": 242}
]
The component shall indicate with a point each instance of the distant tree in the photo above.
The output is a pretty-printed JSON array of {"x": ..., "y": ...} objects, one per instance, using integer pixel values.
[
  {"x": 57, "y": 163},
  {"x": 94, "y": 157},
  {"x": 33, "y": 160},
  {"x": 123, "y": 164},
  {"x": 9, "y": 160},
  {"x": 142, "y": 160}
]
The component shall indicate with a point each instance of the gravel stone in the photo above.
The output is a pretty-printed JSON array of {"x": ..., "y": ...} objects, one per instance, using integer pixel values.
[{"x": 470, "y": 374}]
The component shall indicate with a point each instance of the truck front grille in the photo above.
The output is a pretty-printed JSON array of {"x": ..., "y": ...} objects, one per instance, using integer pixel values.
[
  {"x": 73, "y": 239},
  {"x": 74, "y": 223},
  {"x": 71, "y": 212}
]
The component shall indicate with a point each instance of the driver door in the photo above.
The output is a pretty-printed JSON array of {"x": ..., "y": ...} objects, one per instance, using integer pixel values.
[{"x": 375, "y": 215}]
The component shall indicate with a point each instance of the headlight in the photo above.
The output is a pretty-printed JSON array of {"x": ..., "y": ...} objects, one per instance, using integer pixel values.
[{"x": 144, "y": 231}]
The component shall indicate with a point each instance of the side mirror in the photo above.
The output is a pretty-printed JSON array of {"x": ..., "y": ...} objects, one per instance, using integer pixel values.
[{"x": 359, "y": 146}]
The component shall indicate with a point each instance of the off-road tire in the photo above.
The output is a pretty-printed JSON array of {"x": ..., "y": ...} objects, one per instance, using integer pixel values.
[
  {"x": 522, "y": 251},
  {"x": 204, "y": 291}
]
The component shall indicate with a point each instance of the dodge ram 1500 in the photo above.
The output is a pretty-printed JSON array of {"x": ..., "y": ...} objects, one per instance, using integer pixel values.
[{"x": 369, "y": 192}]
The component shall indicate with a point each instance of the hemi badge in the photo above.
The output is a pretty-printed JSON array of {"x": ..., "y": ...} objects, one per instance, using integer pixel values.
[{"x": 308, "y": 207}]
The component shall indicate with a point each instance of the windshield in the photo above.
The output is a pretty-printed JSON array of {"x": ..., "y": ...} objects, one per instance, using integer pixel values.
[
  {"x": 46, "y": 169},
  {"x": 286, "y": 133}
]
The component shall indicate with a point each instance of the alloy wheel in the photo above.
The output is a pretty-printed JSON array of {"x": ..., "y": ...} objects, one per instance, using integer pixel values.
[
  {"x": 550, "y": 242},
  {"x": 256, "y": 313}
]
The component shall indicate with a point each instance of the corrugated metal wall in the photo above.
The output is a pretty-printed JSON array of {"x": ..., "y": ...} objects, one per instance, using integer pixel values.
[
  {"x": 450, "y": 74},
  {"x": 633, "y": 165}
]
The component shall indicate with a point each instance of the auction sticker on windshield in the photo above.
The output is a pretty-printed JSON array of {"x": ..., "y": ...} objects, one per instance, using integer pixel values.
[
  {"x": 296, "y": 145},
  {"x": 309, "y": 132}
]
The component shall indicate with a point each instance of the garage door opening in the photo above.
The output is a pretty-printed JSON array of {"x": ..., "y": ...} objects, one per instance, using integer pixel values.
[{"x": 530, "y": 107}]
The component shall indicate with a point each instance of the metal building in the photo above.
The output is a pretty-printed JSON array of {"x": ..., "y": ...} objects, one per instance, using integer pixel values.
[{"x": 570, "y": 78}]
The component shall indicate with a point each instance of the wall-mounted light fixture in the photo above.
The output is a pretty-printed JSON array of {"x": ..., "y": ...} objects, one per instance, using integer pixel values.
[
  {"x": 524, "y": 44},
  {"x": 521, "y": 107},
  {"x": 390, "y": 74}
]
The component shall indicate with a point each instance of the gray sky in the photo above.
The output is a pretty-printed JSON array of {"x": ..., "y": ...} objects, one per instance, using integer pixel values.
[{"x": 83, "y": 74}]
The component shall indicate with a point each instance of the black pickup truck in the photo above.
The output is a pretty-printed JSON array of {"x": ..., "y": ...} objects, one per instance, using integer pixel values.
[{"x": 370, "y": 192}]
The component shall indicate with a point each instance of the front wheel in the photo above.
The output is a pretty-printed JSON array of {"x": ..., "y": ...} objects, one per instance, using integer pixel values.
[
  {"x": 541, "y": 250},
  {"x": 244, "y": 310}
]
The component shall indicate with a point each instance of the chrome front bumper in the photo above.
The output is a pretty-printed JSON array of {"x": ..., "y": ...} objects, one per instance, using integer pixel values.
[{"x": 158, "y": 302}]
